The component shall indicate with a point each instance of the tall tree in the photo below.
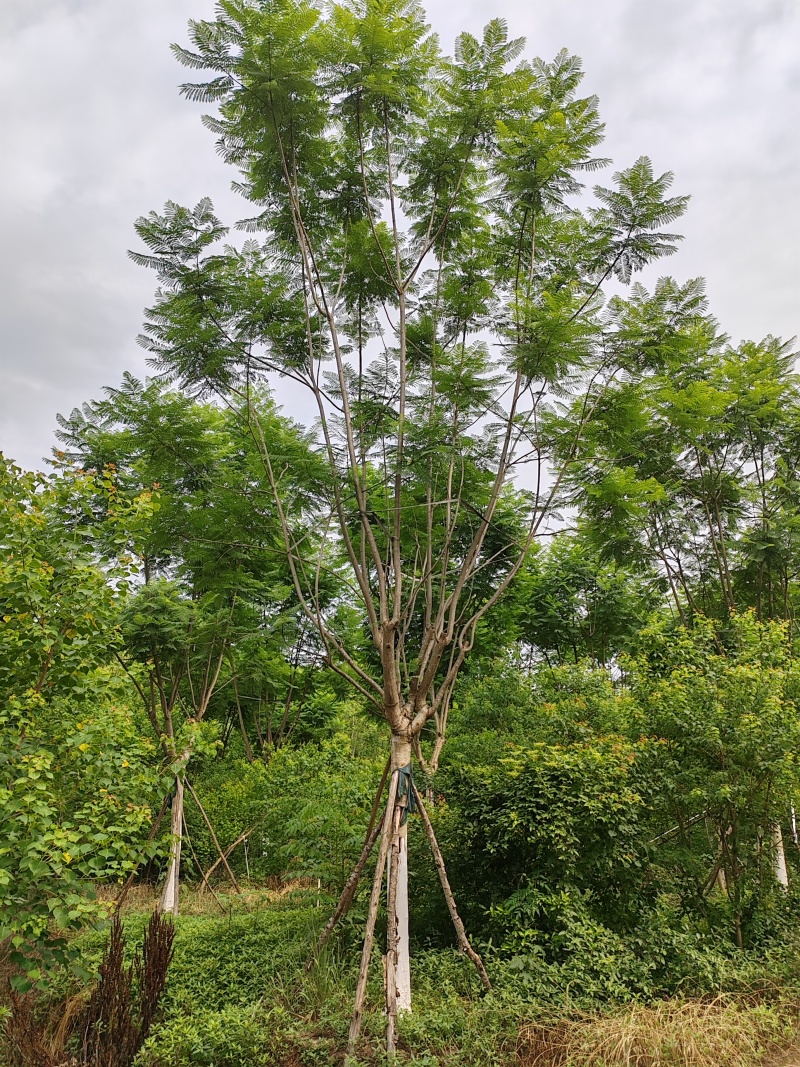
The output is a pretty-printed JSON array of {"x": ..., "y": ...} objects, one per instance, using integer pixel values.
[
  {"x": 423, "y": 272},
  {"x": 690, "y": 462}
]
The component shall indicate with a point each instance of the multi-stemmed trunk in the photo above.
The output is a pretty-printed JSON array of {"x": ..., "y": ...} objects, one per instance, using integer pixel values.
[{"x": 392, "y": 831}]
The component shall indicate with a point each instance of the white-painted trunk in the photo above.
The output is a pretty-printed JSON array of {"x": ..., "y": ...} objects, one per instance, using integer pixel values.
[
  {"x": 779, "y": 857},
  {"x": 403, "y": 957},
  {"x": 168, "y": 903},
  {"x": 401, "y": 757}
]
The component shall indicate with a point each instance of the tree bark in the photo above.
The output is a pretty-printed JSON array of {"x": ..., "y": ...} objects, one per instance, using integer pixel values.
[
  {"x": 168, "y": 904},
  {"x": 779, "y": 857},
  {"x": 401, "y": 757}
]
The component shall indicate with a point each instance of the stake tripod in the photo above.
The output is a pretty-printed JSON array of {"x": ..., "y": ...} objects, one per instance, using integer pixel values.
[{"x": 388, "y": 832}]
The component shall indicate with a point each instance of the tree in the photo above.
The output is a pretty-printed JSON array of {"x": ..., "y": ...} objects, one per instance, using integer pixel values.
[
  {"x": 571, "y": 605},
  {"x": 423, "y": 273},
  {"x": 689, "y": 463},
  {"x": 726, "y": 716},
  {"x": 215, "y": 598}
]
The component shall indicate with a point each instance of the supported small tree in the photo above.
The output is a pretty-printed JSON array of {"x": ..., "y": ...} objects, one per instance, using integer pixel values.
[
  {"x": 422, "y": 273},
  {"x": 215, "y": 594}
]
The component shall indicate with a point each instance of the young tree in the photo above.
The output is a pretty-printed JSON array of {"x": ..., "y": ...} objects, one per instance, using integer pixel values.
[
  {"x": 215, "y": 596},
  {"x": 424, "y": 273}
]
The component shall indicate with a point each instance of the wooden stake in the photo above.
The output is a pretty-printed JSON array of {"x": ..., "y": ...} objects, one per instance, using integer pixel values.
[
  {"x": 461, "y": 934},
  {"x": 351, "y": 885},
  {"x": 153, "y": 831},
  {"x": 231, "y": 875},
  {"x": 369, "y": 933},
  {"x": 391, "y": 935},
  {"x": 347, "y": 894},
  {"x": 203, "y": 875},
  {"x": 246, "y": 833}
]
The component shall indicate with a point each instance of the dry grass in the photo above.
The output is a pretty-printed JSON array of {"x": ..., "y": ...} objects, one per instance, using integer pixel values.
[
  {"x": 222, "y": 900},
  {"x": 724, "y": 1032}
]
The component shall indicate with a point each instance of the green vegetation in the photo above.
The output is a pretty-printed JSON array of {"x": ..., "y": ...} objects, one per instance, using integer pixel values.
[{"x": 537, "y": 542}]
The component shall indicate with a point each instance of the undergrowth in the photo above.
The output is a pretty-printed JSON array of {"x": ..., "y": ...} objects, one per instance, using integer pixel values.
[{"x": 238, "y": 995}]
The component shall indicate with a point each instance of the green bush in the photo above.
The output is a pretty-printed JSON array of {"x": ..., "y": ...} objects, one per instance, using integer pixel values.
[
  {"x": 310, "y": 804},
  {"x": 228, "y": 1037}
]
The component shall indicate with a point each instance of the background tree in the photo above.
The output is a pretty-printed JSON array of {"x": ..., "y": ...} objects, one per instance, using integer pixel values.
[
  {"x": 216, "y": 607},
  {"x": 689, "y": 462},
  {"x": 728, "y": 723}
]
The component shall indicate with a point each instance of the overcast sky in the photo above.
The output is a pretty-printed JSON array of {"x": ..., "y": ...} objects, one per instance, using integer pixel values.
[{"x": 94, "y": 133}]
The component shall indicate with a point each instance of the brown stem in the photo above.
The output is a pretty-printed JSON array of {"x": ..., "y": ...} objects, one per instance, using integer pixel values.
[
  {"x": 369, "y": 933},
  {"x": 461, "y": 934}
]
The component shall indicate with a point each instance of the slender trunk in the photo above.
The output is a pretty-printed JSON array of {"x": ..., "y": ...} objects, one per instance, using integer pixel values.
[
  {"x": 401, "y": 757},
  {"x": 169, "y": 896},
  {"x": 779, "y": 857}
]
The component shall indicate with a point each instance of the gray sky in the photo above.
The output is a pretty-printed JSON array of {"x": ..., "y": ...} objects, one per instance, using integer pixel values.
[{"x": 94, "y": 133}]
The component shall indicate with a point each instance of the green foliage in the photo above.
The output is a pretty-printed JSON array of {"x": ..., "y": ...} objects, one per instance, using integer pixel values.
[
  {"x": 233, "y": 1036},
  {"x": 547, "y": 816},
  {"x": 309, "y": 806},
  {"x": 723, "y": 707},
  {"x": 571, "y": 605},
  {"x": 76, "y": 777}
]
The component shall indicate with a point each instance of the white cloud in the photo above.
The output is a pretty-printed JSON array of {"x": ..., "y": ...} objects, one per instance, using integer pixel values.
[{"x": 94, "y": 134}]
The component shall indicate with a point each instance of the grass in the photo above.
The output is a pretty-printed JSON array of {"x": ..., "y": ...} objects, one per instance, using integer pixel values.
[
  {"x": 726, "y": 1030},
  {"x": 238, "y": 995}
]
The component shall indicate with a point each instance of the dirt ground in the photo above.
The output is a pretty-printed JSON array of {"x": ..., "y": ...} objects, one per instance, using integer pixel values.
[{"x": 789, "y": 1058}]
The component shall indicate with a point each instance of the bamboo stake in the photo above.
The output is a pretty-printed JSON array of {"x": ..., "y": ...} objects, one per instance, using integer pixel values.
[
  {"x": 461, "y": 934},
  {"x": 369, "y": 933}
]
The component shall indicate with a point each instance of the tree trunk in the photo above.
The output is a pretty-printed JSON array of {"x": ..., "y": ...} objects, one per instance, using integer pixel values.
[
  {"x": 779, "y": 857},
  {"x": 169, "y": 896},
  {"x": 401, "y": 757}
]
